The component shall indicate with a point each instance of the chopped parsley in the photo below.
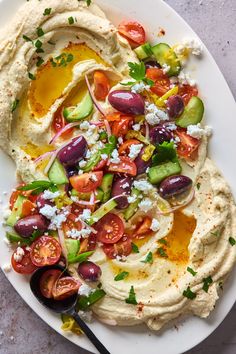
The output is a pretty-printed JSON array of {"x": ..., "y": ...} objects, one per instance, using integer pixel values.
[
  {"x": 232, "y": 241},
  {"x": 62, "y": 60},
  {"x": 47, "y": 11},
  {"x": 27, "y": 39},
  {"x": 138, "y": 72},
  {"x": 198, "y": 185},
  {"x": 38, "y": 44},
  {"x": 110, "y": 146},
  {"x": 39, "y": 62},
  {"x": 71, "y": 20},
  {"x": 189, "y": 294},
  {"x": 163, "y": 241},
  {"x": 221, "y": 285},
  {"x": 216, "y": 233},
  {"x": 31, "y": 76},
  {"x": 148, "y": 259},
  {"x": 132, "y": 297},
  {"x": 38, "y": 186},
  {"x": 88, "y": 2},
  {"x": 206, "y": 283},
  {"x": 40, "y": 32},
  {"x": 14, "y": 105},
  {"x": 121, "y": 276},
  {"x": 191, "y": 271},
  {"x": 135, "y": 248},
  {"x": 162, "y": 252}
]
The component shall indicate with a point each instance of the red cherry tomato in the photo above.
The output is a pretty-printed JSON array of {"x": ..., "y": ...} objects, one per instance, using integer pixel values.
[
  {"x": 65, "y": 287},
  {"x": 59, "y": 123},
  {"x": 133, "y": 32},
  {"x": 143, "y": 228},
  {"x": 88, "y": 244},
  {"x": 45, "y": 250},
  {"x": 161, "y": 80},
  {"x": 126, "y": 165},
  {"x": 25, "y": 265},
  {"x": 101, "y": 85},
  {"x": 71, "y": 223},
  {"x": 125, "y": 147},
  {"x": 86, "y": 182},
  {"x": 101, "y": 165},
  {"x": 187, "y": 92},
  {"x": 121, "y": 248},
  {"x": 28, "y": 208},
  {"x": 17, "y": 192},
  {"x": 110, "y": 228},
  {"x": 121, "y": 127},
  {"x": 187, "y": 145},
  {"x": 47, "y": 282}
]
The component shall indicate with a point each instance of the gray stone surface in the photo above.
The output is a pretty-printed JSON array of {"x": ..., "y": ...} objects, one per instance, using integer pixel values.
[{"x": 21, "y": 329}]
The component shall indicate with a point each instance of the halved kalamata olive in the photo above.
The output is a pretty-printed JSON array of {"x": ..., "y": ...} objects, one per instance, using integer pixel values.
[
  {"x": 26, "y": 226},
  {"x": 127, "y": 102},
  {"x": 159, "y": 134},
  {"x": 175, "y": 106},
  {"x": 89, "y": 271},
  {"x": 41, "y": 201},
  {"x": 71, "y": 171},
  {"x": 140, "y": 163},
  {"x": 151, "y": 64},
  {"x": 174, "y": 185},
  {"x": 121, "y": 185},
  {"x": 72, "y": 153}
]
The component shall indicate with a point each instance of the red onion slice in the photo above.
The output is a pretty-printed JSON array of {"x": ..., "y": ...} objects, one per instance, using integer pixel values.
[
  {"x": 108, "y": 128},
  {"x": 44, "y": 156},
  {"x": 63, "y": 130},
  {"x": 97, "y": 105}
]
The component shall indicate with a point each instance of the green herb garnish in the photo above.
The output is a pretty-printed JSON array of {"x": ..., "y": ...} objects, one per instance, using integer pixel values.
[
  {"x": 148, "y": 259},
  {"x": 189, "y": 294},
  {"x": 31, "y": 76},
  {"x": 38, "y": 187},
  {"x": 27, "y": 39},
  {"x": 80, "y": 257},
  {"x": 62, "y": 60},
  {"x": 135, "y": 248},
  {"x": 71, "y": 20},
  {"x": 40, "y": 32},
  {"x": 84, "y": 302},
  {"x": 198, "y": 185},
  {"x": 88, "y": 2},
  {"x": 39, "y": 62},
  {"x": 121, "y": 276},
  {"x": 163, "y": 241},
  {"x": 132, "y": 297},
  {"x": 206, "y": 283},
  {"x": 191, "y": 271},
  {"x": 47, "y": 11},
  {"x": 138, "y": 73},
  {"x": 14, "y": 105},
  {"x": 162, "y": 252},
  {"x": 110, "y": 146},
  {"x": 216, "y": 233},
  {"x": 165, "y": 152},
  {"x": 221, "y": 285},
  {"x": 232, "y": 241}
]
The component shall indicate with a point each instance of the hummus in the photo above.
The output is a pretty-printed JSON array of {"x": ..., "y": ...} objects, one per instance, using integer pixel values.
[{"x": 43, "y": 61}]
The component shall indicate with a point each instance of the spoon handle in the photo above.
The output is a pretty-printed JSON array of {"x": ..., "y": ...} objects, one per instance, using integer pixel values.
[{"x": 91, "y": 336}]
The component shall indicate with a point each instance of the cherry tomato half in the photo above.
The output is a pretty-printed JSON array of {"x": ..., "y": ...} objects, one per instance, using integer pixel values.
[
  {"x": 28, "y": 208},
  {"x": 133, "y": 32},
  {"x": 187, "y": 92},
  {"x": 25, "y": 265},
  {"x": 101, "y": 85},
  {"x": 121, "y": 127},
  {"x": 187, "y": 145},
  {"x": 87, "y": 182},
  {"x": 161, "y": 80},
  {"x": 71, "y": 223},
  {"x": 65, "y": 287},
  {"x": 121, "y": 248},
  {"x": 45, "y": 250},
  {"x": 17, "y": 192},
  {"x": 143, "y": 228},
  {"x": 47, "y": 281},
  {"x": 59, "y": 123},
  {"x": 101, "y": 165},
  {"x": 126, "y": 165},
  {"x": 110, "y": 228}
]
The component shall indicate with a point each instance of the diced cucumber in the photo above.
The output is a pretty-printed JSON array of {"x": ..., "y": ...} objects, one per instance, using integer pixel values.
[
  {"x": 15, "y": 238},
  {"x": 81, "y": 111},
  {"x": 16, "y": 211},
  {"x": 86, "y": 196},
  {"x": 57, "y": 173},
  {"x": 144, "y": 51},
  {"x": 132, "y": 208},
  {"x": 99, "y": 194},
  {"x": 193, "y": 113},
  {"x": 103, "y": 210},
  {"x": 84, "y": 302},
  {"x": 92, "y": 162},
  {"x": 164, "y": 54},
  {"x": 106, "y": 186},
  {"x": 156, "y": 174},
  {"x": 72, "y": 246}
]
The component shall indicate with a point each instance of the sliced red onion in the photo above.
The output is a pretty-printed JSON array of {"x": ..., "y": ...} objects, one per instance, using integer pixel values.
[
  {"x": 63, "y": 130},
  {"x": 108, "y": 128},
  {"x": 44, "y": 156},
  {"x": 186, "y": 202},
  {"x": 97, "y": 105},
  {"x": 92, "y": 198}
]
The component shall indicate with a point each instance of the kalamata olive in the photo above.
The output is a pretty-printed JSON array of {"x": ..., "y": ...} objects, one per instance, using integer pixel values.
[
  {"x": 89, "y": 271},
  {"x": 140, "y": 163},
  {"x": 26, "y": 226},
  {"x": 127, "y": 102},
  {"x": 121, "y": 185},
  {"x": 174, "y": 185},
  {"x": 72, "y": 153},
  {"x": 175, "y": 106},
  {"x": 151, "y": 64},
  {"x": 159, "y": 134},
  {"x": 41, "y": 201},
  {"x": 71, "y": 171}
]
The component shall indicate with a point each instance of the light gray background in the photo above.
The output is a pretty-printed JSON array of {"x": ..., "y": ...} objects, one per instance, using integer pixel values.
[{"x": 22, "y": 330}]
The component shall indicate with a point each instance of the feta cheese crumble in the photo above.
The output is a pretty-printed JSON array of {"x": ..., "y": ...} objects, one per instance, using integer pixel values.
[
  {"x": 104, "y": 156},
  {"x": 125, "y": 185},
  {"x": 18, "y": 255},
  {"x": 50, "y": 212},
  {"x": 120, "y": 140},
  {"x": 197, "y": 132},
  {"x": 143, "y": 185},
  {"x": 155, "y": 225},
  {"x": 165, "y": 68},
  {"x": 193, "y": 45},
  {"x": 6, "y": 268},
  {"x": 134, "y": 150},
  {"x": 154, "y": 115},
  {"x": 48, "y": 195},
  {"x": 82, "y": 163},
  {"x": 85, "y": 215},
  {"x": 132, "y": 199},
  {"x": 84, "y": 125},
  {"x": 140, "y": 87},
  {"x": 115, "y": 156},
  {"x": 85, "y": 290},
  {"x": 136, "y": 127},
  {"x": 185, "y": 79},
  {"x": 146, "y": 204}
]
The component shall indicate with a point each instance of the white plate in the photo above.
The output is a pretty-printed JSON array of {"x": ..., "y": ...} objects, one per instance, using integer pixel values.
[{"x": 220, "y": 113}]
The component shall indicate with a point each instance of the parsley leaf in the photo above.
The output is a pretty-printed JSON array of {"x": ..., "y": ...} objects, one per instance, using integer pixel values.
[
  {"x": 62, "y": 60},
  {"x": 148, "y": 259},
  {"x": 165, "y": 152},
  {"x": 198, "y": 185},
  {"x": 162, "y": 252},
  {"x": 80, "y": 257},
  {"x": 27, "y": 39},
  {"x": 138, "y": 72},
  {"x": 31, "y": 76},
  {"x": 189, "y": 294},
  {"x": 163, "y": 241},
  {"x": 88, "y": 2},
  {"x": 38, "y": 187},
  {"x": 232, "y": 241},
  {"x": 132, "y": 297},
  {"x": 71, "y": 20},
  {"x": 84, "y": 302},
  {"x": 39, "y": 62},
  {"x": 135, "y": 248},
  {"x": 14, "y": 105},
  {"x": 110, "y": 146},
  {"x": 47, "y": 11},
  {"x": 121, "y": 276},
  {"x": 40, "y": 32},
  {"x": 191, "y": 271},
  {"x": 38, "y": 43},
  {"x": 206, "y": 283},
  {"x": 216, "y": 233}
]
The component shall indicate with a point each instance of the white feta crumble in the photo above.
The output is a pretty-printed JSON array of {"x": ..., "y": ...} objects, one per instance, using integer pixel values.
[
  {"x": 88, "y": 154},
  {"x": 134, "y": 150},
  {"x": 155, "y": 225},
  {"x": 50, "y": 195},
  {"x": 120, "y": 140},
  {"x": 82, "y": 163},
  {"x": 115, "y": 156},
  {"x": 104, "y": 156},
  {"x": 86, "y": 214},
  {"x": 146, "y": 204},
  {"x": 6, "y": 267},
  {"x": 85, "y": 290},
  {"x": 84, "y": 125},
  {"x": 93, "y": 177},
  {"x": 74, "y": 233},
  {"x": 136, "y": 127},
  {"x": 48, "y": 211},
  {"x": 154, "y": 115},
  {"x": 185, "y": 79},
  {"x": 165, "y": 68},
  {"x": 197, "y": 132},
  {"x": 18, "y": 255},
  {"x": 193, "y": 45},
  {"x": 171, "y": 126},
  {"x": 132, "y": 199},
  {"x": 84, "y": 233},
  {"x": 143, "y": 185},
  {"x": 147, "y": 170},
  {"x": 80, "y": 172},
  {"x": 57, "y": 220},
  {"x": 175, "y": 140},
  {"x": 87, "y": 316},
  {"x": 125, "y": 185},
  {"x": 140, "y": 87}
]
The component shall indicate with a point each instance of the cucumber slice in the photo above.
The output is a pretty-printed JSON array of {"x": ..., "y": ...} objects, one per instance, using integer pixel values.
[
  {"x": 156, "y": 174},
  {"x": 92, "y": 162},
  {"x": 103, "y": 210},
  {"x": 106, "y": 186},
  {"x": 193, "y": 113},
  {"x": 164, "y": 54},
  {"x": 84, "y": 302},
  {"x": 57, "y": 173},
  {"x": 16, "y": 211},
  {"x": 132, "y": 208},
  {"x": 144, "y": 51},
  {"x": 81, "y": 111},
  {"x": 99, "y": 194}
]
